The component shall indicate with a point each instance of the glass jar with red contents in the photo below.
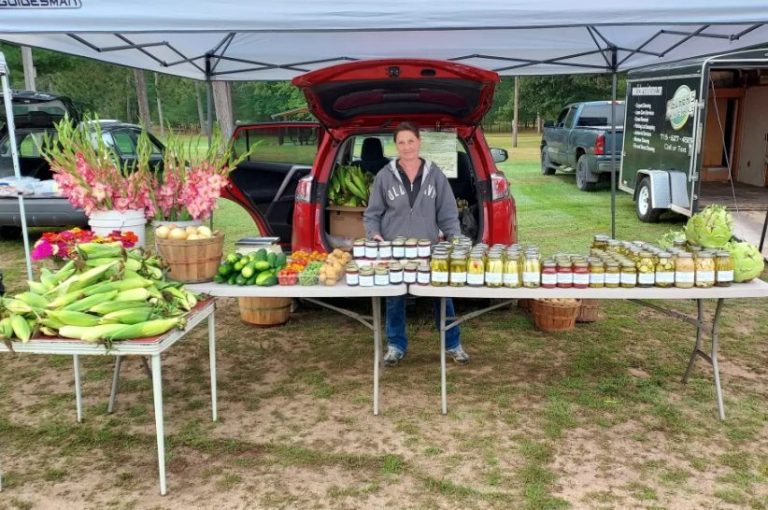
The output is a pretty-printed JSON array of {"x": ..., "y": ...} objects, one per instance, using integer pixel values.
[
  {"x": 548, "y": 275},
  {"x": 580, "y": 275},
  {"x": 564, "y": 274}
]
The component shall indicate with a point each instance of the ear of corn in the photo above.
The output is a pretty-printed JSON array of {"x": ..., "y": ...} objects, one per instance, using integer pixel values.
[
  {"x": 65, "y": 299},
  {"x": 132, "y": 264},
  {"x": 119, "y": 285},
  {"x": 101, "y": 261},
  {"x": 146, "y": 329},
  {"x": 72, "y": 318},
  {"x": 100, "y": 332},
  {"x": 19, "y": 307},
  {"x": 100, "y": 250},
  {"x": 140, "y": 294},
  {"x": 91, "y": 276},
  {"x": 72, "y": 331},
  {"x": 84, "y": 304},
  {"x": 32, "y": 299},
  {"x": 37, "y": 287},
  {"x": 50, "y": 322},
  {"x": 48, "y": 331},
  {"x": 128, "y": 316},
  {"x": 112, "y": 306},
  {"x": 6, "y": 330},
  {"x": 20, "y": 327}
]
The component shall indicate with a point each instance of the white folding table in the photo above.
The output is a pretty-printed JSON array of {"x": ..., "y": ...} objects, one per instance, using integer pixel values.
[
  {"x": 152, "y": 347},
  {"x": 753, "y": 289},
  {"x": 314, "y": 294}
]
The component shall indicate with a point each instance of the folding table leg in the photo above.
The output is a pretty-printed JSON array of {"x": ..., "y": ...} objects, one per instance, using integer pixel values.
[
  {"x": 697, "y": 347},
  {"x": 115, "y": 381},
  {"x": 376, "y": 314},
  {"x": 157, "y": 390},
  {"x": 78, "y": 389},
  {"x": 443, "y": 384},
  {"x": 713, "y": 355},
  {"x": 212, "y": 358}
]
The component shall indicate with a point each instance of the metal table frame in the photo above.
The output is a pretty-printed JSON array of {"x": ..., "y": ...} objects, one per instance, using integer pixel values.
[
  {"x": 754, "y": 289},
  {"x": 153, "y": 348},
  {"x": 314, "y": 294}
]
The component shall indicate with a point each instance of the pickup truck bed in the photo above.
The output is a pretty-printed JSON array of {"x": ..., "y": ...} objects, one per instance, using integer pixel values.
[{"x": 41, "y": 212}]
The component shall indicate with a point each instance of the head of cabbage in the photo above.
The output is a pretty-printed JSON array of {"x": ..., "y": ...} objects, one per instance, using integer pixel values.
[
  {"x": 667, "y": 241},
  {"x": 747, "y": 261},
  {"x": 710, "y": 228}
]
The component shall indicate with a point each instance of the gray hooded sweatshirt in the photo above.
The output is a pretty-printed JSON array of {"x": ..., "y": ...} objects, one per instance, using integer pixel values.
[{"x": 389, "y": 211}]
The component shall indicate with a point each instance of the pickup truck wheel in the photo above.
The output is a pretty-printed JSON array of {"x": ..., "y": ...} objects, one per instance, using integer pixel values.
[
  {"x": 546, "y": 164},
  {"x": 582, "y": 174},
  {"x": 643, "y": 203}
]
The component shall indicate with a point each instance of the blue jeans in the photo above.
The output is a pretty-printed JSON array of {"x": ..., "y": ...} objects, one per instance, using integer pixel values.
[{"x": 396, "y": 323}]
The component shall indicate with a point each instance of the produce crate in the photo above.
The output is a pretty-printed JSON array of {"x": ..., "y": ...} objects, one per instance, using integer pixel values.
[
  {"x": 551, "y": 315},
  {"x": 192, "y": 261},
  {"x": 346, "y": 221},
  {"x": 265, "y": 312},
  {"x": 589, "y": 310}
]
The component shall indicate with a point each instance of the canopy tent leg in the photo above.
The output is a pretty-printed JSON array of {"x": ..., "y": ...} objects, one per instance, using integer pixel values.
[{"x": 614, "y": 66}]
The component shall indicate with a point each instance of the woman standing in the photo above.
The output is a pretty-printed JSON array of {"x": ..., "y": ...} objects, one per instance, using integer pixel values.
[{"x": 411, "y": 197}]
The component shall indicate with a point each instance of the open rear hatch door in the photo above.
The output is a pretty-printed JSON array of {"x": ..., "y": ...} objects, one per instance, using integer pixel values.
[{"x": 375, "y": 92}]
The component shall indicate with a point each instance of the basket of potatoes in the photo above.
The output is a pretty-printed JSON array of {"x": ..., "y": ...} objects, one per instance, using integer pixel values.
[
  {"x": 556, "y": 314},
  {"x": 333, "y": 268}
]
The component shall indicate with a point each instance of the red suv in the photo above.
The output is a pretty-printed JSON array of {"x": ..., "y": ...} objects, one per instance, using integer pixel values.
[{"x": 284, "y": 183}]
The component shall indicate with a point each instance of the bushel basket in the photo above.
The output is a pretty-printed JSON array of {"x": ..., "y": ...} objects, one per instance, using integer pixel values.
[
  {"x": 192, "y": 261},
  {"x": 555, "y": 315}
]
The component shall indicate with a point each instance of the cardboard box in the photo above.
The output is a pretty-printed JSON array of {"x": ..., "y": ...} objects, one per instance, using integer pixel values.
[{"x": 346, "y": 221}]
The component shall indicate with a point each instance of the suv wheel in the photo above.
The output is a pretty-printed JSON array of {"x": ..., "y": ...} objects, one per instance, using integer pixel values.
[
  {"x": 546, "y": 164},
  {"x": 643, "y": 203},
  {"x": 582, "y": 175}
]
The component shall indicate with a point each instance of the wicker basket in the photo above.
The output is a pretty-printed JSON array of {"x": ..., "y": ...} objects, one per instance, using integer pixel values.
[
  {"x": 555, "y": 316},
  {"x": 589, "y": 310},
  {"x": 525, "y": 305},
  {"x": 264, "y": 312},
  {"x": 192, "y": 261}
]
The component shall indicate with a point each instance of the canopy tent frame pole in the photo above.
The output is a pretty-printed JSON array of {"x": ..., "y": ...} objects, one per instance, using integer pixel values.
[
  {"x": 614, "y": 57},
  {"x": 209, "y": 108},
  {"x": 6, "y": 88}
]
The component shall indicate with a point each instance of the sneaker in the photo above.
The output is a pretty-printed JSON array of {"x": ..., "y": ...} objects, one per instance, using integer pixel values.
[
  {"x": 393, "y": 356},
  {"x": 458, "y": 355}
]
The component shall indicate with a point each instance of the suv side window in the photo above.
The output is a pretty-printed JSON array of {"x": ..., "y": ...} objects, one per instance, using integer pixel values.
[
  {"x": 279, "y": 144},
  {"x": 125, "y": 141},
  {"x": 29, "y": 146}
]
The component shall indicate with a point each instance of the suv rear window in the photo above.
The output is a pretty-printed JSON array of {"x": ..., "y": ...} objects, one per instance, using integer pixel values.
[{"x": 279, "y": 144}]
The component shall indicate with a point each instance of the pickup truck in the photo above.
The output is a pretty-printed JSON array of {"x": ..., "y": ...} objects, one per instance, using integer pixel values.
[{"x": 580, "y": 142}]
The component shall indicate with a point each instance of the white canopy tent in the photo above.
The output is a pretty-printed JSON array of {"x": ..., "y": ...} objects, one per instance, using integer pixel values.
[{"x": 270, "y": 40}]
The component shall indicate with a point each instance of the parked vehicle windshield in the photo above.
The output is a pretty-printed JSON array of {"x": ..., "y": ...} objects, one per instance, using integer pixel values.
[{"x": 598, "y": 115}]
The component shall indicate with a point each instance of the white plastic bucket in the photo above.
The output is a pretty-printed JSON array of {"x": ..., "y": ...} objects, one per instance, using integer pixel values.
[{"x": 104, "y": 222}]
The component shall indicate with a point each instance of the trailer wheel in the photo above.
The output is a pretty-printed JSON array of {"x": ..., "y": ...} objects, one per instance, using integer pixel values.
[
  {"x": 582, "y": 174},
  {"x": 643, "y": 203},
  {"x": 546, "y": 164}
]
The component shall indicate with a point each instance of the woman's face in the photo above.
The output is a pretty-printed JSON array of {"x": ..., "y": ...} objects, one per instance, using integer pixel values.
[{"x": 408, "y": 145}]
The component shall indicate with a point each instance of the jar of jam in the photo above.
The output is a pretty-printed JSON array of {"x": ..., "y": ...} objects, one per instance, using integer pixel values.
[
  {"x": 494, "y": 270},
  {"x": 385, "y": 250},
  {"x": 423, "y": 274},
  {"x": 531, "y": 270},
  {"x": 371, "y": 250},
  {"x": 411, "y": 249},
  {"x": 476, "y": 269},
  {"x": 646, "y": 270},
  {"x": 511, "y": 278},
  {"x": 628, "y": 275},
  {"x": 685, "y": 271},
  {"x": 458, "y": 264},
  {"x": 381, "y": 275},
  {"x": 665, "y": 270},
  {"x": 596, "y": 273},
  {"x": 612, "y": 275},
  {"x": 581, "y": 275},
  {"x": 548, "y": 274},
  {"x": 439, "y": 270},
  {"x": 410, "y": 270},
  {"x": 358, "y": 249},
  {"x": 366, "y": 277},
  {"x": 705, "y": 270},
  {"x": 352, "y": 274},
  {"x": 564, "y": 274},
  {"x": 423, "y": 248},
  {"x": 723, "y": 269},
  {"x": 398, "y": 248}
]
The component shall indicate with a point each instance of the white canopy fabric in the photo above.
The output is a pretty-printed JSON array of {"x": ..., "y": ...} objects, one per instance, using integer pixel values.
[{"x": 271, "y": 40}]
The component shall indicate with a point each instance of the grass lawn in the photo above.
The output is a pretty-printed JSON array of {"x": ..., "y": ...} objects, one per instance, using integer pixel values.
[{"x": 594, "y": 418}]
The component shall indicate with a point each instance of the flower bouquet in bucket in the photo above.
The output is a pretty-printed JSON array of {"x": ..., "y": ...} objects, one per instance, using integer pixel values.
[{"x": 59, "y": 247}]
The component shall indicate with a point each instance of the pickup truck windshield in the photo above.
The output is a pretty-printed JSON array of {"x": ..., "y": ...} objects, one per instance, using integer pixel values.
[{"x": 598, "y": 115}]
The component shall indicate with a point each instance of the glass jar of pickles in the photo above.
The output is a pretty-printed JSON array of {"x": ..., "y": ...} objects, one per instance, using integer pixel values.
[
  {"x": 596, "y": 273},
  {"x": 513, "y": 268},
  {"x": 705, "y": 269},
  {"x": 628, "y": 275},
  {"x": 723, "y": 269},
  {"x": 646, "y": 269},
  {"x": 494, "y": 270},
  {"x": 458, "y": 265},
  {"x": 531, "y": 270},
  {"x": 476, "y": 269},
  {"x": 685, "y": 271},
  {"x": 612, "y": 274},
  {"x": 665, "y": 270},
  {"x": 439, "y": 270}
]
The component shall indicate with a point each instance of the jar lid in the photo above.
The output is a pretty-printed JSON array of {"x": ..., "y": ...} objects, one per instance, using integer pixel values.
[
  {"x": 628, "y": 264},
  {"x": 601, "y": 237},
  {"x": 424, "y": 241},
  {"x": 564, "y": 263},
  {"x": 411, "y": 240},
  {"x": 366, "y": 271},
  {"x": 359, "y": 242},
  {"x": 398, "y": 241},
  {"x": 664, "y": 254},
  {"x": 580, "y": 264},
  {"x": 548, "y": 263},
  {"x": 612, "y": 263},
  {"x": 395, "y": 266},
  {"x": 706, "y": 254},
  {"x": 371, "y": 243},
  {"x": 723, "y": 254},
  {"x": 352, "y": 266},
  {"x": 381, "y": 270},
  {"x": 596, "y": 262},
  {"x": 646, "y": 254},
  {"x": 385, "y": 243},
  {"x": 411, "y": 266},
  {"x": 684, "y": 255}
]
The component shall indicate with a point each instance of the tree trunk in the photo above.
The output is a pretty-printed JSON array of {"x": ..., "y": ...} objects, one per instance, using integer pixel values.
[
  {"x": 159, "y": 106},
  {"x": 141, "y": 97},
  {"x": 538, "y": 123},
  {"x": 128, "y": 99},
  {"x": 516, "y": 116},
  {"x": 29, "y": 68},
  {"x": 222, "y": 99},
  {"x": 200, "y": 111}
]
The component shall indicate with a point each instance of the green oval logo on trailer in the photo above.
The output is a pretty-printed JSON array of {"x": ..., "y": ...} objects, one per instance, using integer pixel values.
[{"x": 681, "y": 107}]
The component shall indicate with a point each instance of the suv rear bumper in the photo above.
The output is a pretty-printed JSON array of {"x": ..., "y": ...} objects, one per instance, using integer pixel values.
[{"x": 41, "y": 212}]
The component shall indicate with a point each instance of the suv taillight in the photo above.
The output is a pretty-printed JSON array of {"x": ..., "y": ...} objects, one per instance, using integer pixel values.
[
  {"x": 304, "y": 189},
  {"x": 600, "y": 145},
  {"x": 499, "y": 186}
]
